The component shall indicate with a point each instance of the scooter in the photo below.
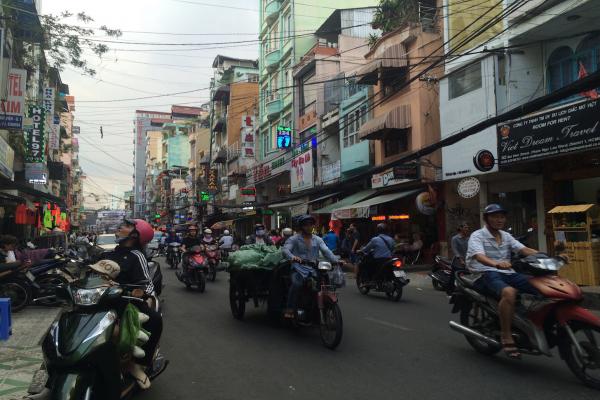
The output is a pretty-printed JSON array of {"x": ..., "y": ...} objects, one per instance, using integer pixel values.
[
  {"x": 81, "y": 349},
  {"x": 194, "y": 269},
  {"x": 213, "y": 255},
  {"x": 388, "y": 278},
  {"x": 173, "y": 254},
  {"x": 553, "y": 318},
  {"x": 441, "y": 272}
]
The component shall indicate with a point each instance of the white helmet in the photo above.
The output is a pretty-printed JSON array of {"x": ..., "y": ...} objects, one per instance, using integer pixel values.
[
  {"x": 207, "y": 231},
  {"x": 287, "y": 232},
  {"x": 225, "y": 232}
]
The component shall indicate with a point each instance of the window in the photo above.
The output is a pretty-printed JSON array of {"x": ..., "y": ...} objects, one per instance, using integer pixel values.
[
  {"x": 501, "y": 70},
  {"x": 588, "y": 53},
  {"x": 561, "y": 68},
  {"x": 287, "y": 29},
  {"x": 465, "y": 80},
  {"x": 352, "y": 123},
  {"x": 289, "y": 80},
  {"x": 392, "y": 147},
  {"x": 308, "y": 92}
]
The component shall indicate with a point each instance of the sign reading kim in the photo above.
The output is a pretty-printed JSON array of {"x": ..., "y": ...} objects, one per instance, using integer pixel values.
[{"x": 569, "y": 129}]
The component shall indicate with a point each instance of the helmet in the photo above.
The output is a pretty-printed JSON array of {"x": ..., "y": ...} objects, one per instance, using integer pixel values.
[
  {"x": 287, "y": 232},
  {"x": 259, "y": 226},
  {"x": 381, "y": 228},
  {"x": 225, "y": 232},
  {"x": 304, "y": 219},
  {"x": 207, "y": 231},
  {"x": 107, "y": 267},
  {"x": 143, "y": 229},
  {"x": 494, "y": 209}
]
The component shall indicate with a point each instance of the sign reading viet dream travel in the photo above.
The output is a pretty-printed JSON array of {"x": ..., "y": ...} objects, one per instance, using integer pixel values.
[
  {"x": 301, "y": 175},
  {"x": 572, "y": 128},
  {"x": 12, "y": 109},
  {"x": 34, "y": 135}
]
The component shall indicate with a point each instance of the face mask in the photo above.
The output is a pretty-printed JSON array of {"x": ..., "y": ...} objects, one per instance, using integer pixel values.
[
  {"x": 260, "y": 232},
  {"x": 10, "y": 256}
]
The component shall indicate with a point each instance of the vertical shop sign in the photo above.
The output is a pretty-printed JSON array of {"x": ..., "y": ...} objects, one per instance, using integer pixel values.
[
  {"x": 54, "y": 134},
  {"x": 49, "y": 100},
  {"x": 247, "y": 132},
  {"x": 12, "y": 109},
  {"x": 34, "y": 135},
  {"x": 212, "y": 180}
]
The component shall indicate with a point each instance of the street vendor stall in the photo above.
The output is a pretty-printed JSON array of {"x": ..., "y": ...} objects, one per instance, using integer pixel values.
[{"x": 578, "y": 227}]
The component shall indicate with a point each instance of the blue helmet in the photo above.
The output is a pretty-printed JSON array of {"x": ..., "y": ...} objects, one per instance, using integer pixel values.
[
  {"x": 494, "y": 209},
  {"x": 303, "y": 219}
]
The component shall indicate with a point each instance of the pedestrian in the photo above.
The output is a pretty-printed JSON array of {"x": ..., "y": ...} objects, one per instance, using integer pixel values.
[
  {"x": 346, "y": 245},
  {"x": 460, "y": 243},
  {"x": 275, "y": 237},
  {"x": 354, "y": 242},
  {"x": 331, "y": 240}
]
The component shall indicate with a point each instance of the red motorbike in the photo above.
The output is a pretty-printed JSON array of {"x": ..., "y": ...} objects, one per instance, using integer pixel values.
[
  {"x": 551, "y": 319},
  {"x": 194, "y": 269},
  {"x": 213, "y": 254}
]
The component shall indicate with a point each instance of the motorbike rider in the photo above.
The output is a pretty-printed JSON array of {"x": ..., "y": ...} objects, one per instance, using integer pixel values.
[
  {"x": 191, "y": 239},
  {"x": 131, "y": 237},
  {"x": 307, "y": 246},
  {"x": 207, "y": 237},
  {"x": 259, "y": 236},
  {"x": 286, "y": 233},
  {"x": 172, "y": 237},
  {"x": 489, "y": 253},
  {"x": 226, "y": 241},
  {"x": 380, "y": 249}
]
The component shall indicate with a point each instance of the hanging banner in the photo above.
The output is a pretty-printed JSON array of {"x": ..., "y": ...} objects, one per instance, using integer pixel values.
[
  {"x": 247, "y": 132},
  {"x": 13, "y": 108},
  {"x": 301, "y": 177},
  {"x": 48, "y": 101},
  {"x": 34, "y": 135},
  {"x": 54, "y": 135}
]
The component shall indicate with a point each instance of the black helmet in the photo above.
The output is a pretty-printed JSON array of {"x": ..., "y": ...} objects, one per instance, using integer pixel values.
[
  {"x": 494, "y": 209},
  {"x": 381, "y": 228},
  {"x": 303, "y": 219}
]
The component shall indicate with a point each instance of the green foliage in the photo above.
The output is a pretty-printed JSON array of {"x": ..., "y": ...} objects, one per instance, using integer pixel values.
[{"x": 392, "y": 14}]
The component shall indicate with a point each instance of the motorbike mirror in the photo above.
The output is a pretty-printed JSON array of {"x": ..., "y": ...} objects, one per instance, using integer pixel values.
[{"x": 529, "y": 230}]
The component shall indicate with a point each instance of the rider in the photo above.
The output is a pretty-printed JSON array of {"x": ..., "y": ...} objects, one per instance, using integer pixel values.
[
  {"x": 131, "y": 237},
  {"x": 172, "y": 237},
  {"x": 489, "y": 253},
  {"x": 286, "y": 233},
  {"x": 226, "y": 241},
  {"x": 191, "y": 239},
  {"x": 379, "y": 248},
  {"x": 303, "y": 246},
  {"x": 260, "y": 236},
  {"x": 207, "y": 237}
]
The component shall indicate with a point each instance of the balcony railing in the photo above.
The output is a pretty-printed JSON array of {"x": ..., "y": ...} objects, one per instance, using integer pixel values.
[{"x": 233, "y": 151}]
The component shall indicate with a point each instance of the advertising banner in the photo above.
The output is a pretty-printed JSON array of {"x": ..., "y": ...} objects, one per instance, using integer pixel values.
[
  {"x": 569, "y": 129},
  {"x": 7, "y": 157},
  {"x": 13, "y": 108},
  {"x": 34, "y": 135},
  {"x": 36, "y": 173},
  {"x": 301, "y": 177},
  {"x": 331, "y": 172}
]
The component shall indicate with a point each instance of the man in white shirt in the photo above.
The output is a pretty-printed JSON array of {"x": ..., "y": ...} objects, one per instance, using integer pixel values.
[{"x": 489, "y": 253}]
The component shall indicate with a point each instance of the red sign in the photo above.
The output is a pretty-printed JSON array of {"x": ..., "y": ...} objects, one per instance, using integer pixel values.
[{"x": 303, "y": 159}]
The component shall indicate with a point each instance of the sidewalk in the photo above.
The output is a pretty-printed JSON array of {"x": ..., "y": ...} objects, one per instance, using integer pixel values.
[{"x": 21, "y": 355}]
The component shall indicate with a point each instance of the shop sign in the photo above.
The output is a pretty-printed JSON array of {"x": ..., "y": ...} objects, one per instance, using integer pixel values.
[
  {"x": 13, "y": 108},
  {"x": 248, "y": 191},
  {"x": 36, "y": 173},
  {"x": 400, "y": 217},
  {"x": 407, "y": 171},
  {"x": 386, "y": 179},
  {"x": 7, "y": 157},
  {"x": 302, "y": 173},
  {"x": 331, "y": 172},
  {"x": 299, "y": 209},
  {"x": 284, "y": 137},
  {"x": 469, "y": 187},
  {"x": 213, "y": 180},
  {"x": 247, "y": 136},
  {"x": 34, "y": 135},
  {"x": 48, "y": 100},
  {"x": 569, "y": 129}
]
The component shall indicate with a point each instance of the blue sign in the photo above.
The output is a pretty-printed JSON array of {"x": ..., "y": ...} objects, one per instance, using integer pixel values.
[{"x": 284, "y": 137}]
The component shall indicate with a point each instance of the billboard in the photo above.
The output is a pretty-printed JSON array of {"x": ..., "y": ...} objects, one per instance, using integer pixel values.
[
  {"x": 302, "y": 173},
  {"x": 13, "y": 108}
]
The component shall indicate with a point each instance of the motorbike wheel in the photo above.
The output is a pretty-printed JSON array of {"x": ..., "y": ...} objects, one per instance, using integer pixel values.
[
  {"x": 332, "y": 328},
  {"x": 586, "y": 367},
  {"x": 48, "y": 284},
  {"x": 201, "y": 282},
  {"x": 359, "y": 284},
  {"x": 396, "y": 294},
  {"x": 474, "y": 317},
  {"x": 237, "y": 301},
  {"x": 437, "y": 285},
  {"x": 18, "y": 291}
]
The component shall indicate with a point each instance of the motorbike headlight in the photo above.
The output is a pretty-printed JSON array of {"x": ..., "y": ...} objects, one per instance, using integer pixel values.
[
  {"x": 324, "y": 266},
  {"x": 88, "y": 297}
]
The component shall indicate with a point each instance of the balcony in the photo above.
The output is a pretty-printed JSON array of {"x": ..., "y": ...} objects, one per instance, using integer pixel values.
[
  {"x": 273, "y": 106},
  {"x": 272, "y": 59},
  {"x": 272, "y": 10}
]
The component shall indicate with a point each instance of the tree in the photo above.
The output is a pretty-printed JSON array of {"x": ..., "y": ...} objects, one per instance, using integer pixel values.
[{"x": 392, "y": 14}]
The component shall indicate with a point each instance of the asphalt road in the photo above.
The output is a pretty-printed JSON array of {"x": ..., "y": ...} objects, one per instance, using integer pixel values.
[{"x": 389, "y": 351}]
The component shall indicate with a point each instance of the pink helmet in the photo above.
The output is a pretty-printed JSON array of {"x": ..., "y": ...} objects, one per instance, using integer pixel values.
[{"x": 144, "y": 230}]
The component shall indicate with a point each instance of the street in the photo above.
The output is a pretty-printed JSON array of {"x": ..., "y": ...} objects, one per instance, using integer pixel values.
[{"x": 389, "y": 350}]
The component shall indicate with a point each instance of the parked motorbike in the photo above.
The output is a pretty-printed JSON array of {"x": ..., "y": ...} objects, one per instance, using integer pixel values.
[
  {"x": 173, "y": 254},
  {"x": 80, "y": 351},
  {"x": 194, "y": 269},
  {"x": 388, "y": 278},
  {"x": 213, "y": 255},
  {"x": 553, "y": 318},
  {"x": 441, "y": 272}
]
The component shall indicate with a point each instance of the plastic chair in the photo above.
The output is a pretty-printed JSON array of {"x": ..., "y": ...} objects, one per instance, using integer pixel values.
[{"x": 5, "y": 319}]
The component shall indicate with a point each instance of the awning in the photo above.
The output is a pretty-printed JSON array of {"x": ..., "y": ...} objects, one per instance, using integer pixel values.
[
  {"x": 377, "y": 128},
  {"x": 323, "y": 197},
  {"x": 361, "y": 209},
  {"x": 287, "y": 204},
  {"x": 392, "y": 57},
  {"x": 579, "y": 208},
  {"x": 354, "y": 198},
  {"x": 222, "y": 224}
]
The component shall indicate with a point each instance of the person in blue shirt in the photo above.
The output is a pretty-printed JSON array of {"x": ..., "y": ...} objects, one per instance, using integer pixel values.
[
  {"x": 303, "y": 246},
  {"x": 331, "y": 240},
  {"x": 379, "y": 249}
]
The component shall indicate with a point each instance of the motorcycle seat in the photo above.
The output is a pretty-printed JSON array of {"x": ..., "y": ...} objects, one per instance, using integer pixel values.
[{"x": 469, "y": 279}]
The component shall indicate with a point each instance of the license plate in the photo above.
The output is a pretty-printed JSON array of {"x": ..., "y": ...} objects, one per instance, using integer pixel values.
[
  {"x": 30, "y": 276},
  {"x": 400, "y": 274}
]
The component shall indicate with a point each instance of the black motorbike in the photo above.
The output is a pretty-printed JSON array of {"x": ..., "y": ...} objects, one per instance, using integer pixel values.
[
  {"x": 80, "y": 351},
  {"x": 388, "y": 278},
  {"x": 441, "y": 273},
  {"x": 173, "y": 254}
]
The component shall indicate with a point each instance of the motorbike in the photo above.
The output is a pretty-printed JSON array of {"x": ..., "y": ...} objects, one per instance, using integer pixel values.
[
  {"x": 441, "y": 272},
  {"x": 389, "y": 278},
  {"x": 173, "y": 254},
  {"x": 318, "y": 304},
  {"x": 194, "y": 269},
  {"x": 81, "y": 349},
  {"x": 213, "y": 255},
  {"x": 155, "y": 272},
  {"x": 551, "y": 319}
]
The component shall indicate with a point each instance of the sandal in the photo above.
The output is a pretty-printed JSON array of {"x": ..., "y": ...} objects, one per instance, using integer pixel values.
[{"x": 511, "y": 350}]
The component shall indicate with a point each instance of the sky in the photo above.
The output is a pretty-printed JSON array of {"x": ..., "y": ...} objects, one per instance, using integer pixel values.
[{"x": 125, "y": 72}]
